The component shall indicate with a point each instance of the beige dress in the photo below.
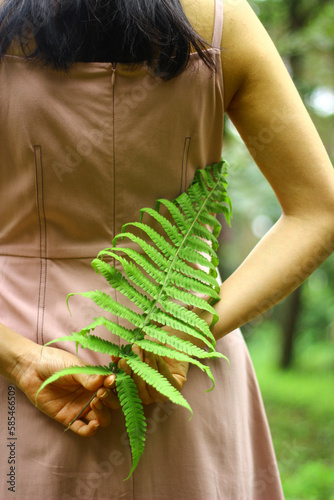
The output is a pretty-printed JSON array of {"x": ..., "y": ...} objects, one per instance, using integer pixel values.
[{"x": 80, "y": 155}]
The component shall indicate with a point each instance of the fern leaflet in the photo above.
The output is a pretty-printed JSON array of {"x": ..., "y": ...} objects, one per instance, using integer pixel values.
[{"x": 134, "y": 415}]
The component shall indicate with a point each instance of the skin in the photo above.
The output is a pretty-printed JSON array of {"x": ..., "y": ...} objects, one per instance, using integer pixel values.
[{"x": 260, "y": 99}]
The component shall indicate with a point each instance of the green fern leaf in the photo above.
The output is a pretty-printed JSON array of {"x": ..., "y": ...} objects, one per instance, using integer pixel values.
[
  {"x": 170, "y": 230},
  {"x": 169, "y": 250},
  {"x": 110, "y": 305},
  {"x": 189, "y": 283},
  {"x": 200, "y": 246},
  {"x": 189, "y": 348},
  {"x": 162, "y": 350},
  {"x": 189, "y": 317},
  {"x": 177, "y": 324},
  {"x": 91, "y": 342},
  {"x": 126, "y": 334},
  {"x": 132, "y": 271},
  {"x": 183, "y": 267},
  {"x": 139, "y": 259},
  {"x": 205, "y": 218},
  {"x": 165, "y": 247},
  {"x": 121, "y": 284},
  {"x": 191, "y": 300},
  {"x": 156, "y": 380},
  {"x": 175, "y": 277},
  {"x": 193, "y": 256},
  {"x": 150, "y": 251},
  {"x": 117, "y": 281},
  {"x": 161, "y": 270},
  {"x": 180, "y": 221},
  {"x": 134, "y": 415}
]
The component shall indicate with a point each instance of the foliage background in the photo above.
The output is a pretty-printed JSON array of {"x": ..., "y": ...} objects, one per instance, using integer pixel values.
[{"x": 292, "y": 345}]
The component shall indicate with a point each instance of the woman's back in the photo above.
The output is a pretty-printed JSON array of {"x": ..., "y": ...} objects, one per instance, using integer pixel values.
[{"x": 81, "y": 153}]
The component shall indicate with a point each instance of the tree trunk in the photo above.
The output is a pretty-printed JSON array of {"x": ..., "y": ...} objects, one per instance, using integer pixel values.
[{"x": 290, "y": 327}]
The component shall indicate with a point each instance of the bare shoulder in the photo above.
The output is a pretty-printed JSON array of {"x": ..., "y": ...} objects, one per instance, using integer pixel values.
[
  {"x": 244, "y": 40},
  {"x": 245, "y": 43},
  {"x": 246, "y": 48},
  {"x": 201, "y": 16}
]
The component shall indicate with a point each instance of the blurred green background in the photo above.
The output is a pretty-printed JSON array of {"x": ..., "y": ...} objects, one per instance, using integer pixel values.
[{"x": 292, "y": 345}]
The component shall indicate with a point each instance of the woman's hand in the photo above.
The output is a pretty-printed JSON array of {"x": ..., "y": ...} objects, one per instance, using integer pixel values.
[
  {"x": 63, "y": 399},
  {"x": 173, "y": 370}
]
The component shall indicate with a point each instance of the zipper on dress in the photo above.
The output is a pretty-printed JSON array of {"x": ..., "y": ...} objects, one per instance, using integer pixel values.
[
  {"x": 113, "y": 74},
  {"x": 113, "y": 81}
]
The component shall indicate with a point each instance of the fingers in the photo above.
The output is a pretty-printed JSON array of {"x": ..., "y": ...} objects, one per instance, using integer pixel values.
[
  {"x": 142, "y": 387},
  {"x": 105, "y": 400},
  {"x": 124, "y": 366},
  {"x": 109, "y": 381},
  {"x": 108, "y": 398},
  {"x": 154, "y": 395},
  {"x": 99, "y": 414},
  {"x": 83, "y": 429},
  {"x": 146, "y": 392},
  {"x": 164, "y": 370},
  {"x": 89, "y": 382}
]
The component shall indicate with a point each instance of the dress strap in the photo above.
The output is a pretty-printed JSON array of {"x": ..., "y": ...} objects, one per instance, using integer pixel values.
[{"x": 218, "y": 27}]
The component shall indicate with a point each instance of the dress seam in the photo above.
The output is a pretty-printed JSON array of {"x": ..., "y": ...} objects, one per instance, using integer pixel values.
[
  {"x": 185, "y": 157},
  {"x": 42, "y": 244}
]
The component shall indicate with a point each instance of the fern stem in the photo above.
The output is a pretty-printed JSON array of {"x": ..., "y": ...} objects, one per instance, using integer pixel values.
[
  {"x": 114, "y": 367},
  {"x": 81, "y": 412},
  {"x": 165, "y": 283}
]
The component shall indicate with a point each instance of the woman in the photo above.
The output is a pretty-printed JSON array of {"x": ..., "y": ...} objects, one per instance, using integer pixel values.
[{"x": 81, "y": 152}]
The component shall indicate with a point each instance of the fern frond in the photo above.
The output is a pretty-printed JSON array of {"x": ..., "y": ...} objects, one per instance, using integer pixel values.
[
  {"x": 122, "y": 285},
  {"x": 163, "y": 245},
  {"x": 162, "y": 350},
  {"x": 200, "y": 246},
  {"x": 156, "y": 380},
  {"x": 191, "y": 300},
  {"x": 169, "y": 250},
  {"x": 134, "y": 415},
  {"x": 193, "y": 256},
  {"x": 117, "y": 281},
  {"x": 175, "y": 277},
  {"x": 131, "y": 271},
  {"x": 160, "y": 277},
  {"x": 189, "y": 283},
  {"x": 177, "y": 324},
  {"x": 139, "y": 259},
  {"x": 91, "y": 342},
  {"x": 150, "y": 251},
  {"x": 110, "y": 305},
  {"x": 180, "y": 221},
  {"x": 170, "y": 230},
  {"x": 186, "y": 346},
  {"x": 125, "y": 333},
  {"x": 182, "y": 267},
  {"x": 189, "y": 317}
]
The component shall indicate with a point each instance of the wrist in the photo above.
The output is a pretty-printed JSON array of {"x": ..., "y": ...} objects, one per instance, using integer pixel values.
[{"x": 16, "y": 354}]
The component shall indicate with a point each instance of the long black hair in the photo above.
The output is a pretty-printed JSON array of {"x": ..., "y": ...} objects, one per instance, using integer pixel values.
[{"x": 128, "y": 31}]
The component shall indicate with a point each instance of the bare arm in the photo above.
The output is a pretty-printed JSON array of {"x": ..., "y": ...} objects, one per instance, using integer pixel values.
[
  {"x": 265, "y": 107},
  {"x": 25, "y": 364}
]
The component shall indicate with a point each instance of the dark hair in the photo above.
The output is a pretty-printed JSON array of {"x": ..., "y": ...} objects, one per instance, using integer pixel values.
[{"x": 128, "y": 31}]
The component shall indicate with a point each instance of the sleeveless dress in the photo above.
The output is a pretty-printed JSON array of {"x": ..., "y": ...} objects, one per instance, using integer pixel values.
[{"x": 80, "y": 154}]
